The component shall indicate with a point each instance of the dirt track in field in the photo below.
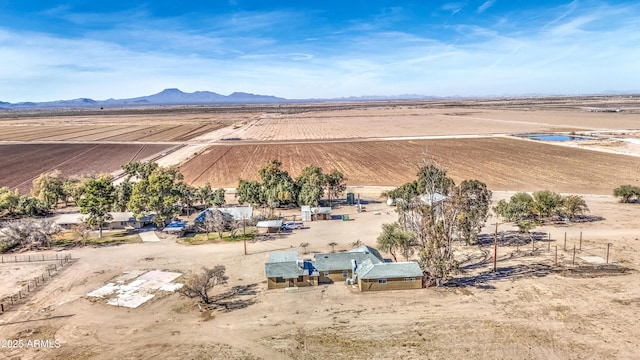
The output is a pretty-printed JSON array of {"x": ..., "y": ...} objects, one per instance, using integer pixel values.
[
  {"x": 20, "y": 164},
  {"x": 502, "y": 163}
]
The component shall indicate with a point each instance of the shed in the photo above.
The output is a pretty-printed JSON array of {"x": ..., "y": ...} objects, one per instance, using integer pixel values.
[
  {"x": 269, "y": 226},
  {"x": 305, "y": 212},
  {"x": 321, "y": 213}
]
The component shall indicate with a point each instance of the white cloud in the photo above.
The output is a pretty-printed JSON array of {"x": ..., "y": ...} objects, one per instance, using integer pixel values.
[
  {"x": 485, "y": 5},
  {"x": 583, "y": 50}
]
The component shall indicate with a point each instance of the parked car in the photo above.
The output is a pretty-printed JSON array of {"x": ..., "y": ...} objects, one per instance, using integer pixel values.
[{"x": 291, "y": 225}]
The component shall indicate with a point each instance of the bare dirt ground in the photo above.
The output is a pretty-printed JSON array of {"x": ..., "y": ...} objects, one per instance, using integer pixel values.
[
  {"x": 502, "y": 163},
  {"x": 530, "y": 309},
  {"x": 20, "y": 164}
]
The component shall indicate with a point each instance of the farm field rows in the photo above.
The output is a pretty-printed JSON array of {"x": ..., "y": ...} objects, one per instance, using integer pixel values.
[
  {"x": 536, "y": 306},
  {"x": 20, "y": 164},
  {"x": 397, "y": 121},
  {"x": 502, "y": 163},
  {"x": 138, "y": 133}
]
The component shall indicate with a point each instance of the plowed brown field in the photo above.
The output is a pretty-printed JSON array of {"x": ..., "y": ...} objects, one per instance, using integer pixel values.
[
  {"x": 20, "y": 164},
  {"x": 124, "y": 132},
  {"x": 502, "y": 163}
]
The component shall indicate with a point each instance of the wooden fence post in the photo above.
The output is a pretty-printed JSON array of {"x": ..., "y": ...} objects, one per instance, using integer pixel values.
[
  {"x": 580, "y": 241},
  {"x": 574, "y": 255},
  {"x": 609, "y": 244},
  {"x": 549, "y": 243},
  {"x": 556, "y": 255},
  {"x": 565, "y": 241}
]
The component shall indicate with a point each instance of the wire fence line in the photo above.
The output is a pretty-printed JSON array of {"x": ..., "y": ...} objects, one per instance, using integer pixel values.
[
  {"x": 59, "y": 262},
  {"x": 32, "y": 258}
]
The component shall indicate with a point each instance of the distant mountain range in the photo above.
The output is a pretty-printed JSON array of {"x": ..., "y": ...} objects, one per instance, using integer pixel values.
[
  {"x": 165, "y": 97},
  {"x": 177, "y": 97}
]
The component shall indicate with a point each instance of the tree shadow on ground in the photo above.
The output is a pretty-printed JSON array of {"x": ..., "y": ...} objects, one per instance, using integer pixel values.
[
  {"x": 511, "y": 238},
  {"x": 270, "y": 236},
  {"x": 238, "y": 297},
  {"x": 585, "y": 218},
  {"x": 506, "y": 272}
]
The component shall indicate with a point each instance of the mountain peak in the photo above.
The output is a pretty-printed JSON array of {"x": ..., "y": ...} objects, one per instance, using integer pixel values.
[{"x": 170, "y": 91}]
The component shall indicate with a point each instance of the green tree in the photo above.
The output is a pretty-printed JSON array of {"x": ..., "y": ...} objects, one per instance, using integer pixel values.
[
  {"x": 205, "y": 194},
  {"x": 573, "y": 205},
  {"x": 432, "y": 223},
  {"x": 546, "y": 204},
  {"x": 32, "y": 207},
  {"x": 406, "y": 192},
  {"x": 217, "y": 198},
  {"x": 250, "y": 192},
  {"x": 96, "y": 202},
  {"x": 9, "y": 200},
  {"x": 473, "y": 198},
  {"x": 393, "y": 239},
  {"x": 156, "y": 194},
  {"x": 336, "y": 184},
  {"x": 122, "y": 195},
  {"x": 140, "y": 170},
  {"x": 310, "y": 184},
  {"x": 626, "y": 193},
  {"x": 278, "y": 187},
  {"x": 519, "y": 207},
  {"x": 433, "y": 179},
  {"x": 188, "y": 195},
  {"x": 47, "y": 188},
  {"x": 72, "y": 189}
]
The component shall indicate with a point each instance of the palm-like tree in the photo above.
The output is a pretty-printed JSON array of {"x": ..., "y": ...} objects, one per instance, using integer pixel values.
[
  {"x": 333, "y": 245},
  {"x": 393, "y": 238},
  {"x": 573, "y": 205}
]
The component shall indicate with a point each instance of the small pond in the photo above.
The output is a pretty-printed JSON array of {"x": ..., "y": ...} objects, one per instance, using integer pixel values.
[{"x": 555, "y": 137}]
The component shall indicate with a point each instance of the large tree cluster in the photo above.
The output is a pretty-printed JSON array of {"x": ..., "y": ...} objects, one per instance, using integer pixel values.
[
  {"x": 278, "y": 188},
  {"x": 432, "y": 213},
  {"x": 527, "y": 210}
]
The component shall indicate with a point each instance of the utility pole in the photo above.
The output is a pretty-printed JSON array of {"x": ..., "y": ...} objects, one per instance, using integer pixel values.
[
  {"x": 495, "y": 248},
  {"x": 244, "y": 234}
]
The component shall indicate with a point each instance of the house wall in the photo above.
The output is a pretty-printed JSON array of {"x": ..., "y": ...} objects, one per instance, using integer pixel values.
[
  {"x": 315, "y": 217},
  {"x": 118, "y": 225},
  {"x": 306, "y": 281},
  {"x": 335, "y": 276},
  {"x": 268, "y": 230},
  {"x": 392, "y": 284}
]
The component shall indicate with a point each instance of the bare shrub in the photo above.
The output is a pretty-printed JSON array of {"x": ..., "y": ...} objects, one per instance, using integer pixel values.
[{"x": 199, "y": 284}]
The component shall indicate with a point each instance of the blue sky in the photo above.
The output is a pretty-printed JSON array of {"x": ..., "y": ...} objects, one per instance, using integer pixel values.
[{"x": 53, "y": 50}]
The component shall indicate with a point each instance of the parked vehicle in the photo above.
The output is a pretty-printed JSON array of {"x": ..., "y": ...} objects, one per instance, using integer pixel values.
[{"x": 291, "y": 225}]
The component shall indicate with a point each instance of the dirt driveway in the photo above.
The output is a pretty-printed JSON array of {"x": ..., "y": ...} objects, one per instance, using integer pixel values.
[{"x": 530, "y": 309}]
